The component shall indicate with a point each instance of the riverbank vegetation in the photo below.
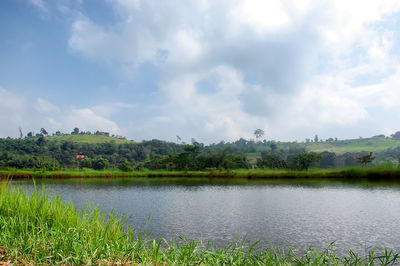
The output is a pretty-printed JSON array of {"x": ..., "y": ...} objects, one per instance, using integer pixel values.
[
  {"x": 37, "y": 229},
  {"x": 370, "y": 173}
]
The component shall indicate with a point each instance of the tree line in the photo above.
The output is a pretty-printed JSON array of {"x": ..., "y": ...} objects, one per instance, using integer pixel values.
[{"x": 42, "y": 152}]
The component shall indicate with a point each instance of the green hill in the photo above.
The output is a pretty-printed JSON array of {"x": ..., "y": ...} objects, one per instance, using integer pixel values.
[
  {"x": 339, "y": 147},
  {"x": 374, "y": 144},
  {"x": 354, "y": 145},
  {"x": 61, "y": 150},
  {"x": 86, "y": 138}
]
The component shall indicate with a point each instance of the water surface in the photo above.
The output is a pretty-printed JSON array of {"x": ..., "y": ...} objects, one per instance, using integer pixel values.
[{"x": 279, "y": 213}]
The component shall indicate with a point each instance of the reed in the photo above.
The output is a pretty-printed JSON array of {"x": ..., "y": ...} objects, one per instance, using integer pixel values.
[
  {"x": 373, "y": 173},
  {"x": 38, "y": 229}
]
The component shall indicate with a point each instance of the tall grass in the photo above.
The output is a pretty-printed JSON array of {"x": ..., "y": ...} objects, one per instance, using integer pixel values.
[
  {"x": 376, "y": 173},
  {"x": 37, "y": 229}
]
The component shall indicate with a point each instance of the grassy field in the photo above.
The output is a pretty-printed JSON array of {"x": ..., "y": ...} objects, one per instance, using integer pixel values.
[
  {"x": 36, "y": 229},
  {"x": 91, "y": 139},
  {"x": 372, "y": 173},
  {"x": 354, "y": 145}
]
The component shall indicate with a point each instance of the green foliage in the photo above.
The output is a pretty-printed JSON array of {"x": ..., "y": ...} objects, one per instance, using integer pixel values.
[
  {"x": 126, "y": 166},
  {"x": 272, "y": 161},
  {"x": 273, "y": 146},
  {"x": 366, "y": 159},
  {"x": 296, "y": 160},
  {"x": 328, "y": 160},
  {"x": 75, "y": 131},
  {"x": 100, "y": 163},
  {"x": 381, "y": 172},
  {"x": 85, "y": 163},
  {"x": 43, "y": 132},
  {"x": 192, "y": 159},
  {"x": 302, "y": 161},
  {"x": 61, "y": 150}
]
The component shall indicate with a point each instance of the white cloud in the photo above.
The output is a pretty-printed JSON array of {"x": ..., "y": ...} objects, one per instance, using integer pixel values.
[
  {"x": 329, "y": 106},
  {"x": 286, "y": 66},
  {"x": 44, "y": 106},
  {"x": 385, "y": 94},
  {"x": 261, "y": 16},
  {"x": 109, "y": 109},
  {"x": 11, "y": 101},
  {"x": 217, "y": 113},
  {"x": 12, "y": 112},
  {"x": 86, "y": 119},
  {"x": 17, "y": 110}
]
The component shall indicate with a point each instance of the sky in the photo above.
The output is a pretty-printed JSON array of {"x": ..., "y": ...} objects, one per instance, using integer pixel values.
[{"x": 211, "y": 70}]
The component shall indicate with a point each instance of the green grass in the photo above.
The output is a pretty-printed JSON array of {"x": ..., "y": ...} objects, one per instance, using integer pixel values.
[
  {"x": 354, "y": 145},
  {"x": 373, "y": 173},
  {"x": 91, "y": 139},
  {"x": 36, "y": 229}
]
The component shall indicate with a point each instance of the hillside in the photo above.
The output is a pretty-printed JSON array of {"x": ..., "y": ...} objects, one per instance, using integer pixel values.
[
  {"x": 354, "y": 145},
  {"x": 373, "y": 144},
  {"x": 61, "y": 150},
  {"x": 85, "y": 138},
  {"x": 339, "y": 147}
]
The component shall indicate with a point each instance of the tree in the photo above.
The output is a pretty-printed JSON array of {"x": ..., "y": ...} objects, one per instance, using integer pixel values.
[
  {"x": 273, "y": 146},
  {"x": 396, "y": 155},
  {"x": 316, "y": 139},
  {"x": 302, "y": 161},
  {"x": 43, "y": 132},
  {"x": 20, "y": 132},
  {"x": 271, "y": 160},
  {"x": 350, "y": 160},
  {"x": 126, "y": 166},
  {"x": 100, "y": 164},
  {"x": 85, "y": 163},
  {"x": 328, "y": 160},
  {"x": 75, "y": 131},
  {"x": 41, "y": 141},
  {"x": 366, "y": 159},
  {"x": 258, "y": 133},
  {"x": 30, "y": 134},
  {"x": 396, "y": 135}
]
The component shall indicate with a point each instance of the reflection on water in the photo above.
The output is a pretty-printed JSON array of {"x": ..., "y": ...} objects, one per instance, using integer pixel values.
[{"x": 287, "y": 213}]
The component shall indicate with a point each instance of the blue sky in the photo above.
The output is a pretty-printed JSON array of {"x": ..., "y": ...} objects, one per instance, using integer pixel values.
[{"x": 209, "y": 70}]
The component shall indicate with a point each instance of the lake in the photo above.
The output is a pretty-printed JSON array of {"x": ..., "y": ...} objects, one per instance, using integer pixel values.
[{"x": 281, "y": 213}]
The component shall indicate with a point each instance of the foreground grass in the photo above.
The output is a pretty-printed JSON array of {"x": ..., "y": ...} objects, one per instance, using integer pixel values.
[
  {"x": 373, "y": 173},
  {"x": 36, "y": 229}
]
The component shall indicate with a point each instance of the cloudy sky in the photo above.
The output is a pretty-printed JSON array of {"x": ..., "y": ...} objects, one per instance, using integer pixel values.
[{"x": 206, "y": 69}]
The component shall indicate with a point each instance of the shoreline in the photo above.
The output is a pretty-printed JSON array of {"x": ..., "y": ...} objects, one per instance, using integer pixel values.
[{"x": 373, "y": 173}]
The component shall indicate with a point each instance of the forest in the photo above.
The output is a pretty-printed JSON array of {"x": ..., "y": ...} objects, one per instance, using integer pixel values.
[{"x": 100, "y": 150}]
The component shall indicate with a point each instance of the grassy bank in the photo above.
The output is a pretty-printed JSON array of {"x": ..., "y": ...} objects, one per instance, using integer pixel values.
[
  {"x": 40, "y": 230},
  {"x": 373, "y": 173}
]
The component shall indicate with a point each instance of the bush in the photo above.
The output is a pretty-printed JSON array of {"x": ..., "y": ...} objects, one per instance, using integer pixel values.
[
  {"x": 100, "y": 164},
  {"x": 126, "y": 166}
]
